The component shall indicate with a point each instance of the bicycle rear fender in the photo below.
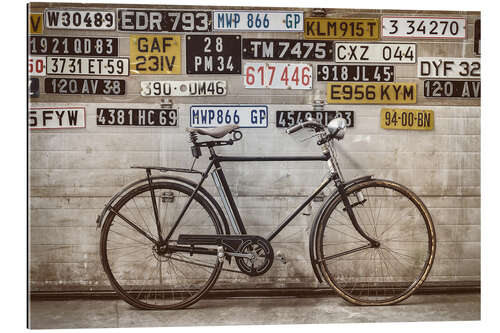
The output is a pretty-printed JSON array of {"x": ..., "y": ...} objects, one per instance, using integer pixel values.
[
  {"x": 317, "y": 218},
  {"x": 181, "y": 180}
]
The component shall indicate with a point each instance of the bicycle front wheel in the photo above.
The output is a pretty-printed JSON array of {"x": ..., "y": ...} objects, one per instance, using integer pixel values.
[
  {"x": 144, "y": 275},
  {"x": 376, "y": 275}
]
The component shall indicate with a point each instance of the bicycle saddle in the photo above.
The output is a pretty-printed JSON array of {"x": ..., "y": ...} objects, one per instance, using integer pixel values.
[{"x": 217, "y": 132}]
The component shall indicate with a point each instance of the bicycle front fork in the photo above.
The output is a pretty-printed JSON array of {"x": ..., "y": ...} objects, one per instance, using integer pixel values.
[{"x": 349, "y": 208}]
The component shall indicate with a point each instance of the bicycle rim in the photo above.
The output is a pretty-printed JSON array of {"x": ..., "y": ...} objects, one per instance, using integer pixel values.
[
  {"x": 140, "y": 274},
  {"x": 391, "y": 272}
]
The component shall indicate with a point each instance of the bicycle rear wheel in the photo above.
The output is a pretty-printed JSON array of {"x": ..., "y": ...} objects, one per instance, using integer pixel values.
[
  {"x": 389, "y": 273},
  {"x": 145, "y": 276}
]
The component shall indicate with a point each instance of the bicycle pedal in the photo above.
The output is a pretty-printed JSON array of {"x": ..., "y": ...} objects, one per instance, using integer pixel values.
[{"x": 281, "y": 257}]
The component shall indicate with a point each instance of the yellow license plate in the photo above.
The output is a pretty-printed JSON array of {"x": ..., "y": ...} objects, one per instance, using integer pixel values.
[
  {"x": 155, "y": 54},
  {"x": 371, "y": 93},
  {"x": 36, "y": 23},
  {"x": 338, "y": 28},
  {"x": 407, "y": 119}
]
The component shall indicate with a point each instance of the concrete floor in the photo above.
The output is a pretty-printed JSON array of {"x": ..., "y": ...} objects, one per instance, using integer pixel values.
[{"x": 246, "y": 311}]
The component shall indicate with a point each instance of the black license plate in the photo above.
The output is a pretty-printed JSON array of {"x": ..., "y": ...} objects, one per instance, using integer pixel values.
[
  {"x": 136, "y": 117},
  {"x": 287, "y": 49},
  {"x": 69, "y": 86},
  {"x": 356, "y": 73},
  {"x": 291, "y": 118},
  {"x": 164, "y": 20},
  {"x": 33, "y": 87},
  {"x": 213, "y": 54},
  {"x": 73, "y": 46},
  {"x": 452, "y": 88}
]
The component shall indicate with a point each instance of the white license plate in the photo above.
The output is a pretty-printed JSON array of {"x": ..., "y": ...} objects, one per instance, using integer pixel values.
[
  {"x": 87, "y": 66},
  {"x": 274, "y": 75},
  {"x": 37, "y": 66},
  {"x": 220, "y": 115},
  {"x": 56, "y": 118},
  {"x": 230, "y": 20},
  {"x": 184, "y": 88},
  {"x": 453, "y": 68},
  {"x": 393, "y": 53},
  {"x": 76, "y": 19},
  {"x": 424, "y": 27}
]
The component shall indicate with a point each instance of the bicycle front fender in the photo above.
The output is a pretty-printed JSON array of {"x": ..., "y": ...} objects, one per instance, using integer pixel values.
[
  {"x": 317, "y": 218},
  {"x": 181, "y": 180}
]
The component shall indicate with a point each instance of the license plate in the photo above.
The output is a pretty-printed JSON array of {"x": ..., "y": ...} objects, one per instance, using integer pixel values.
[
  {"x": 56, "y": 118},
  {"x": 184, "y": 88},
  {"x": 477, "y": 37},
  {"x": 452, "y": 68},
  {"x": 73, "y": 46},
  {"x": 372, "y": 93},
  {"x": 274, "y": 75},
  {"x": 219, "y": 115},
  {"x": 37, "y": 66},
  {"x": 375, "y": 53},
  {"x": 36, "y": 23},
  {"x": 287, "y": 49},
  {"x": 213, "y": 54},
  {"x": 291, "y": 118},
  {"x": 33, "y": 87},
  {"x": 155, "y": 54},
  {"x": 69, "y": 86},
  {"x": 407, "y": 119},
  {"x": 340, "y": 28},
  {"x": 87, "y": 66},
  {"x": 136, "y": 20},
  {"x": 239, "y": 20},
  {"x": 424, "y": 27},
  {"x": 136, "y": 117},
  {"x": 366, "y": 73},
  {"x": 452, "y": 88},
  {"x": 75, "y": 19}
]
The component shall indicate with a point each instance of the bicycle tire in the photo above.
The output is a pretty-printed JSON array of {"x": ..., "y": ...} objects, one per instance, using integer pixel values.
[
  {"x": 131, "y": 275},
  {"x": 383, "y": 275}
]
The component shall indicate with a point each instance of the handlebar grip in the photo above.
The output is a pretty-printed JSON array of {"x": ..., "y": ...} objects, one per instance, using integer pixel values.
[{"x": 294, "y": 128}]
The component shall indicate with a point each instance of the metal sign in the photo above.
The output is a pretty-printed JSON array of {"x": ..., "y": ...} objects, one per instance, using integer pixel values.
[
  {"x": 239, "y": 20},
  {"x": 136, "y": 20},
  {"x": 33, "y": 87},
  {"x": 277, "y": 75},
  {"x": 477, "y": 37},
  {"x": 87, "y": 66},
  {"x": 452, "y": 88},
  {"x": 37, "y": 66},
  {"x": 407, "y": 119},
  {"x": 213, "y": 54},
  {"x": 371, "y": 93},
  {"x": 155, "y": 54},
  {"x": 291, "y": 118},
  {"x": 56, "y": 118},
  {"x": 287, "y": 49},
  {"x": 184, "y": 88},
  {"x": 453, "y": 68},
  {"x": 396, "y": 53},
  {"x": 137, "y": 117},
  {"x": 35, "y": 23},
  {"x": 341, "y": 28},
  {"x": 69, "y": 86},
  {"x": 78, "y": 19},
  {"x": 363, "y": 73},
  {"x": 73, "y": 46},
  {"x": 218, "y": 115},
  {"x": 424, "y": 27}
]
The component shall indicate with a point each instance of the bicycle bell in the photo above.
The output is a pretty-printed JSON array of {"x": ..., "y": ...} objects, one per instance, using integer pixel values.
[{"x": 337, "y": 127}]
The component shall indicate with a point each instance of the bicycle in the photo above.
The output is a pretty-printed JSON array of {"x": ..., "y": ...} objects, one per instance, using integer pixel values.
[{"x": 165, "y": 239}]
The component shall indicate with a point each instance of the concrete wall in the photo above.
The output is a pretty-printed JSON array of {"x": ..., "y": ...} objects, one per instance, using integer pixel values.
[{"x": 73, "y": 172}]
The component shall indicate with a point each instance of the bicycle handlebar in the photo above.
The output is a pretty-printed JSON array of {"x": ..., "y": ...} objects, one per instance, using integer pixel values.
[{"x": 309, "y": 123}]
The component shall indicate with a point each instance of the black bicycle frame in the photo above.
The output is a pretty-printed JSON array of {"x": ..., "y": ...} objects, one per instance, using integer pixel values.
[{"x": 227, "y": 197}]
